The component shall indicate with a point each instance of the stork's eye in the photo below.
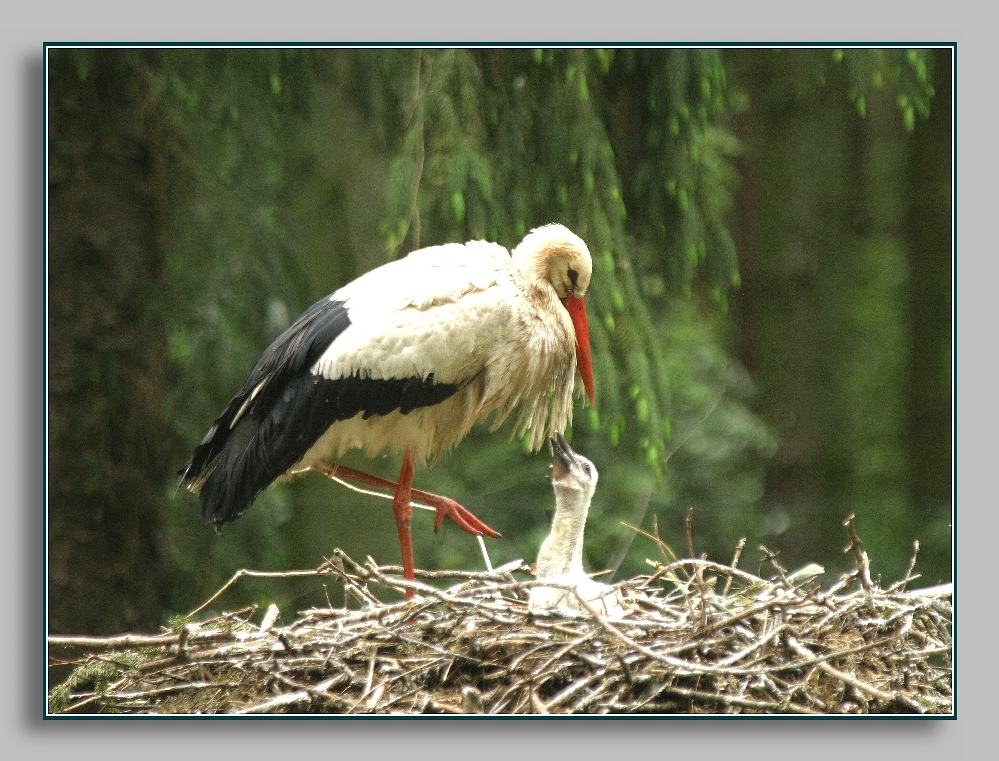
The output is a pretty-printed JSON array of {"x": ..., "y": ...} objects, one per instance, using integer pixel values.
[
  {"x": 573, "y": 276},
  {"x": 586, "y": 468}
]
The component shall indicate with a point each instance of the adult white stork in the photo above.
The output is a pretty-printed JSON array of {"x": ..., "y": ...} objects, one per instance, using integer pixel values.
[{"x": 408, "y": 357}]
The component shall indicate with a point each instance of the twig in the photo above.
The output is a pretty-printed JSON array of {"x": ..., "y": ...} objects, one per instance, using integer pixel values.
[
  {"x": 840, "y": 675},
  {"x": 863, "y": 563},
  {"x": 322, "y": 570},
  {"x": 733, "y": 565}
]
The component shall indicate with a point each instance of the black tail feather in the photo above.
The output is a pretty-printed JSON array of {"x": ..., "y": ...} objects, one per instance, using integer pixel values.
[{"x": 235, "y": 481}]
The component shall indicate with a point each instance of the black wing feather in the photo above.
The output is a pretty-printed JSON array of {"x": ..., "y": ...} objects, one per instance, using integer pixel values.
[
  {"x": 257, "y": 439},
  {"x": 296, "y": 349}
]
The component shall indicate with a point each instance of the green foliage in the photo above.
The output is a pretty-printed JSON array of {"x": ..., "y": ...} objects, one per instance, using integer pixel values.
[
  {"x": 493, "y": 144},
  {"x": 95, "y": 676},
  {"x": 909, "y": 72}
]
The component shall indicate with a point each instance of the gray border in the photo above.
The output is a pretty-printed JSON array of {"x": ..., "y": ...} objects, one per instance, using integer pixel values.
[{"x": 22, "y": 37}]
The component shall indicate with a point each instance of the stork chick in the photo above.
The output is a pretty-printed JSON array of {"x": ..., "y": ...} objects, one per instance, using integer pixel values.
[{"x": 560, "y": 559}]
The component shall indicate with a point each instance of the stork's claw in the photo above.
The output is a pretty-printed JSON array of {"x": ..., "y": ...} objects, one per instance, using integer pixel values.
[{"x": 459, "y": 514}]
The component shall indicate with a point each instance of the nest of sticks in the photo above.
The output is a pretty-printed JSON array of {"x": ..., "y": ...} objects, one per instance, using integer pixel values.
[{"x": 699, "y": 637}]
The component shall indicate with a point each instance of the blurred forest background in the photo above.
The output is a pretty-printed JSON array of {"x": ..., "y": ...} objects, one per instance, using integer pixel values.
[{"x": 770, "y": 307}]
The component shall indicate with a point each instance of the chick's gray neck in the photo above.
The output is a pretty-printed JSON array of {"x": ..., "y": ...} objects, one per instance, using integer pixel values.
[{"x": 562, "y": 551}]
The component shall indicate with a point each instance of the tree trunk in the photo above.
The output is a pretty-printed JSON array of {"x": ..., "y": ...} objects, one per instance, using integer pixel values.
[{"x": 106, "y": 357}]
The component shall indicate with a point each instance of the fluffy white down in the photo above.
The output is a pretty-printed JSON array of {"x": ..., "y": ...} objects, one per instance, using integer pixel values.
[
  {"x": 603, "y": 598},
  {"x": 462, "y": 313}
]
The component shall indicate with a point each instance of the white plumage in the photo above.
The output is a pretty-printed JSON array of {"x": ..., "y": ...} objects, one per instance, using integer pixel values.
[
  {"x": 408, "y": 357},
  {"x": 466, "y": 314}
]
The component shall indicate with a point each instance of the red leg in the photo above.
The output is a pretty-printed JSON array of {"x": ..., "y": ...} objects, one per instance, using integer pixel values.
[
  {"x": 403, "y": 517},
  {"x": 445, "y": 506}
]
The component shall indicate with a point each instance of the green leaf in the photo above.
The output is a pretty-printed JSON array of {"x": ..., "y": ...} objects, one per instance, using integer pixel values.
[
  {"x": 605, "y": 58},
  {"x": 642, "y": 410},
  {"x": 593, "y": 418},
  {"x": 607, "y": 261},
  {"x": 458, "y": 206},
  {"x": 617, "y": 299}
]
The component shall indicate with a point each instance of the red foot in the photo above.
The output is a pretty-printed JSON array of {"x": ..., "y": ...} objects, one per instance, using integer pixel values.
[
  {"x": 459, "y": 514},
  {"x": 445, "y": 506}
]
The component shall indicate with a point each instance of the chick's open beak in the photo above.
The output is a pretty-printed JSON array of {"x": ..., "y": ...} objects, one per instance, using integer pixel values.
[{"x": 562, "y": 456}]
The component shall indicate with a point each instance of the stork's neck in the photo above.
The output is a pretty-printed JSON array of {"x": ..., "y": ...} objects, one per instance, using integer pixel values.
[
  {"x": 562, "y": 551},
  {"x": 536, "y": 288},
  {"x": 541, "y": 387}
]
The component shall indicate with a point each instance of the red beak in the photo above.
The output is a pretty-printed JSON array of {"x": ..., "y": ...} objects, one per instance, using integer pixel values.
[{"x": 576, "y": 308}]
